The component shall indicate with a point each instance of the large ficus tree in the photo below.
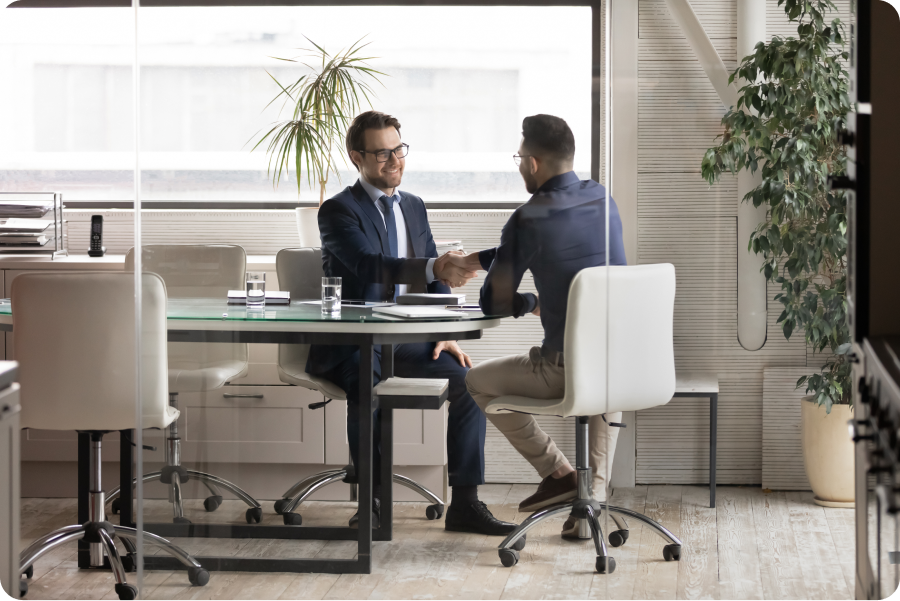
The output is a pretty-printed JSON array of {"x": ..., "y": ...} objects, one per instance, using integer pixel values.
[{"x": 786, "y": 124}]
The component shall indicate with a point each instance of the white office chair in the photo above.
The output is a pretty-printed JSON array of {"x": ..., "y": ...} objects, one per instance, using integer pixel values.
[
  {"x": 300, "y": 271},
  {"x": 619, "y": 357},
  {"x": 197, "y": 271},
  {"x": 75, "y": 343}
]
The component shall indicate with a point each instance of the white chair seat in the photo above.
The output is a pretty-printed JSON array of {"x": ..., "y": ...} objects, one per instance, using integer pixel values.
[
  {"x": 524, "y": 404},
  {"x": 296, "y": 375},
  {"x": 429, "y": 387},
  {"x": 196, "y": 377}
]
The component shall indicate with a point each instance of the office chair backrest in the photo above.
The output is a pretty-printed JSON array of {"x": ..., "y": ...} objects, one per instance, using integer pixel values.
[
  {"x": 619, "y": 348},
  {"x": 75, "y": 343},
  {"x": 199, "y": 271},
  {"x": 299, "y": 270},
  {"x": 195, "y": 270}
]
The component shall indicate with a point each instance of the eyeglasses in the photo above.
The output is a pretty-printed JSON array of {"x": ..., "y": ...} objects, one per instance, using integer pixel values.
[
  {"x": 517, "y": 158},
  {"x": 384, "y": 155}
]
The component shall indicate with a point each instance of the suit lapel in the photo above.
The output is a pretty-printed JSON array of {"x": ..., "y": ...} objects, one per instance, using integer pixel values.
[
  {"x": 368, "y": 207},
  {"x": 413, "y": 227}
]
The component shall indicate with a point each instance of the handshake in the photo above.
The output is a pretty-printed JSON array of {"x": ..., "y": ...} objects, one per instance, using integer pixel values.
[{"x": 456, "y": 268}]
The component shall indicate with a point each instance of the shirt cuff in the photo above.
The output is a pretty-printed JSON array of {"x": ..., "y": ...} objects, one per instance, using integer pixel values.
[{"x": 429, "y": 271}]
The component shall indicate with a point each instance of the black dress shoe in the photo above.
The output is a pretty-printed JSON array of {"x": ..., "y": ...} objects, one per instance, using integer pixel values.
[
  {"x": 376, "y": 515},
  {"x": 475, "y": 518}
]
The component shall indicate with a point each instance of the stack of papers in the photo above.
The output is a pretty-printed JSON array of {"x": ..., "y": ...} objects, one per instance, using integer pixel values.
[
  {"x": 273, "y": 297},
  {"x": 25, "y": 225},
  {"x": 20, "y": 239},
  {"x": 24, "y": 208},
  {"x": 413, "y": 312}
]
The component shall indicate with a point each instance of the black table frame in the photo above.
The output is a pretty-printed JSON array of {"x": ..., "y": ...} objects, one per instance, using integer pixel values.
[
  {"x": 713, "y": 422},
  {"x": 365, "y": 535}
]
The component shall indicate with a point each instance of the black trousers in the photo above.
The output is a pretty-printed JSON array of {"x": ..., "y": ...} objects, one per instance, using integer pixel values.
[{"x": 466, "y": 422}]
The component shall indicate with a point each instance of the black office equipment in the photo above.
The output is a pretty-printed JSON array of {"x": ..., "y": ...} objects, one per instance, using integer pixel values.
[{"x": 96, "y": 248}]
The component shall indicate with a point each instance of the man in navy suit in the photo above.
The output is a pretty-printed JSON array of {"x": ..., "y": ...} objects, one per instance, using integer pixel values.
[{"x": 377, "y": 239}]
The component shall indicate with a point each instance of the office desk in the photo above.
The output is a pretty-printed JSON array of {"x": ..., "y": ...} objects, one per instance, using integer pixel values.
[{"x": 213, "y": 320}]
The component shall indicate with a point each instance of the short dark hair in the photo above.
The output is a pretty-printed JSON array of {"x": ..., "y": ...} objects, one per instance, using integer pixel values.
[
  {"x": 549, "y": 137},
  {"x": 356, "y": 133}
]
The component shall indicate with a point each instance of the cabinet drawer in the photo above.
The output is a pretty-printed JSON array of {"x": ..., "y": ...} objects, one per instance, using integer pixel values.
[
  {"x": 419, "y": 436},
  {"x": 251, "y": 424}
]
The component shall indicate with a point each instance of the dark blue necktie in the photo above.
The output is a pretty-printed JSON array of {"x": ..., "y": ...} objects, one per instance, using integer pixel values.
[{"x": 387, "y": 207}]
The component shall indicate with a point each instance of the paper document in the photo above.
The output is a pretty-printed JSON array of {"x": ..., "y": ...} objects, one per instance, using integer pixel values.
[
  {"x": 273, "y": 297},
  {"x": 25, "y": 225},
  {"x": 431, "y": 299},
  {"x": 24, "y": 208},
  {"x": 22, "y": 240},
  {"x": 413, "y": 311}
]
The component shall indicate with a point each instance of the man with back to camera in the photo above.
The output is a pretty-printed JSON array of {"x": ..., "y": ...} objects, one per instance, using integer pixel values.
[
  {"x": 378, "y": 240},
  {"x": 556, "y": 234}
]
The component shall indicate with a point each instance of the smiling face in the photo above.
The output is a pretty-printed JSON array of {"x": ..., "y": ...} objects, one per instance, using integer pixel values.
[{"x": 384, "y": 176}]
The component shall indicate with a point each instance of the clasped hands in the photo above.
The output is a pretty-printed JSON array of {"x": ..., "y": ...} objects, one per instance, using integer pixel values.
[{"x": 456, "y": 268}]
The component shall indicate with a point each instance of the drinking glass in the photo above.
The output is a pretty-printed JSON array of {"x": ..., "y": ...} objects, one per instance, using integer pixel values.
[
  {"x": 331, "y": 296},
  {"x": 256, "y": 289}
]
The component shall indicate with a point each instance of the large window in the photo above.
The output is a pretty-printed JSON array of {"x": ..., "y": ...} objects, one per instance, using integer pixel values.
[{"x": 460, "y": 79}]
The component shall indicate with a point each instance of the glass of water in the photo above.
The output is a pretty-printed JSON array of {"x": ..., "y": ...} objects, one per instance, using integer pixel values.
[
  {"x": 331, "y": 296},
  {"x": 256, "y": 289}
]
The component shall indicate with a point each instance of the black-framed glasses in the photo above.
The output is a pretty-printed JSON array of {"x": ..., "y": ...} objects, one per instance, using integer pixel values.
[
  {"x": 517, "y": 158},
  {"x": 384, "y": 155}
]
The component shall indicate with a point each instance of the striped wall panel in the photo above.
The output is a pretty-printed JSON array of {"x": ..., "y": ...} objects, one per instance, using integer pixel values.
[{"x": 782, "y": 467}]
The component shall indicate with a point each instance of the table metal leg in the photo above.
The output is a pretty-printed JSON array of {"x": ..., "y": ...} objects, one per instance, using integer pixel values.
[
  {"x": 385, "y": 532},
  {"x": 126, "y": 474},
  {"x": 387, "y": 361},
  {"x": 364, "y": 469},
  {"x": 84, "y": 487},
  {"x": 713, "y": 419}
]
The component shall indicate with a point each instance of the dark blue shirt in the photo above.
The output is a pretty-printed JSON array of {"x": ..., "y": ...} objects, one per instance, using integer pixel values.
[{"x": 556, "y": 234}]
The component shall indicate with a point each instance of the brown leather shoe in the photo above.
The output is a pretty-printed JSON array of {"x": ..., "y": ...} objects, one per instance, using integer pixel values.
[
  {"x": 570, "y": 530},
  {"x": 550, "y": 492}
]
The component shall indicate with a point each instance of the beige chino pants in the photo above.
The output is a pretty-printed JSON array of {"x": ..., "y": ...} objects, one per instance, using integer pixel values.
[{"x": 531, "y": 375}]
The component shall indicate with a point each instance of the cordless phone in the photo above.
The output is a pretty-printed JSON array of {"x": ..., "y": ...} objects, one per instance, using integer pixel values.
[{"x": 95, "y": 249}]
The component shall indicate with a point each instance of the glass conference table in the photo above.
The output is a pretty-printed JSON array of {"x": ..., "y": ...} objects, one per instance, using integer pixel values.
[{"x": 213, "y": 320}]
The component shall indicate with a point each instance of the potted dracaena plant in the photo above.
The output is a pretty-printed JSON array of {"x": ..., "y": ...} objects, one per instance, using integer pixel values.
[
  {"x": 786, "y": 124},
  {"x": 323, "y": 101}
]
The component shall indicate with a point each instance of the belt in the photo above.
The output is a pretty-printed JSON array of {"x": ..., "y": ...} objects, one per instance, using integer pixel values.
[{"x": 553, "y": 357}]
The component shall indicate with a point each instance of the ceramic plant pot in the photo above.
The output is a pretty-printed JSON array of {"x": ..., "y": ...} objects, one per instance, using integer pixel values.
[
  {"x": 308, "y": 226},
  {"x": 827, "y": 452}
]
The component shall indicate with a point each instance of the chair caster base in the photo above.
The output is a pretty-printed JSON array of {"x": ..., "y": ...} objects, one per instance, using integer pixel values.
[
  {"x": 181, "y": 521},
  {"x": 617, "y": 538},
  {"x": 212, "y": 503},
  {"x": 519, "y": 544},
  {"x": 605, "y": 565},
  {"x": 29, "y": 572},
  {"x": 126, "y": 591},
  {"x": 508, "y": 557},
  {"x": 23, "y": 589},
  {"x": 198, "y": 576},
  {"x": 434, "y": 512},
  {"x": 280, "y": 505},
  {"x": 254, "y": 515},
  {"x": 672, "y": 552},
  {"x": 292, "y": 519},
  {"x": 129, "y": 562}
]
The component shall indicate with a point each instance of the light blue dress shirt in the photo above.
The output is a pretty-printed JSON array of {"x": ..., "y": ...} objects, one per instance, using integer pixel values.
[{"x": 402, "y": 235}]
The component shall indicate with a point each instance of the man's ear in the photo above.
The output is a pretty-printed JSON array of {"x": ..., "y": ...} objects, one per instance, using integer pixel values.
[{"x": 355, "y": 158}]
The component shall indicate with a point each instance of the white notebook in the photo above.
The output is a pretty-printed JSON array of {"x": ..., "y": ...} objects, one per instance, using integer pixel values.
[
  {"x": 273, "y": 297},
  {"x": 414, "y": 311}
]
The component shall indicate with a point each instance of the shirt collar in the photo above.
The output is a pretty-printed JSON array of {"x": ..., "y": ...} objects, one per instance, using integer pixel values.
[
  {"x": 559, "y": 181},
  {"x": 373, "y": 192}
]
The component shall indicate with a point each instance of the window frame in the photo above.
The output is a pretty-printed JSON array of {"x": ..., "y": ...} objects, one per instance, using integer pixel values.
[{"x": 596, "y": 87}]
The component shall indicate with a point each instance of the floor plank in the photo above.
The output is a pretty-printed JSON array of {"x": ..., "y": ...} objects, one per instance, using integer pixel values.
[
  {"x": 657, "y": 578},
  {"x": 739, "y": 573},
  {"x": 698, "y": 570},
  {"x": 779, "y": 560},
  {"x": 621, "y": 584},
  {"x": 818, "y": 556}
]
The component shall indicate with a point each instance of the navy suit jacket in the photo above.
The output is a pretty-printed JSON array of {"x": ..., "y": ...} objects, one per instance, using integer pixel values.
[{"x": 355, "y": 248}]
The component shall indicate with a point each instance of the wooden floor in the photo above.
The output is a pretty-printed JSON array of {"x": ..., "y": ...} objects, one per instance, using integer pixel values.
[{"x": 754, "y": 545}]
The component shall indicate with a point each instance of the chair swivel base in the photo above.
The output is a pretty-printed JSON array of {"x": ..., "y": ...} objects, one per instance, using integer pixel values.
[{"x": 306, "y": 487}]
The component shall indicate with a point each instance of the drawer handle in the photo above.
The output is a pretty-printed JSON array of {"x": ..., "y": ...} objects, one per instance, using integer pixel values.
[{"x": 228, "y": 395}]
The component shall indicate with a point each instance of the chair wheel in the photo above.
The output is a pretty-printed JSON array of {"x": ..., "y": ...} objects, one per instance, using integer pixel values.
[
  {"x": 617, "y": 538},
  {"x": 508, "y": 557},
  {"x": 606, "y": 565},
  {"x": 198, "y": 576},
  {"x": 292, "y": 519},
  {"x": 254, "y": 515},
  {"x": 281, "y": 504},
  {"x": 23, "y": 588},
  {"x": 126, "y": 591},
  {"x": 672, "y": 552},
  {"x": 181, "y": 521},
  {"x": 519, "y": 544},
  {"x": 434, "y": 512},
  {"x": 115, "y": 507},
  {"x": 129, "y": 562},
  {"x": 29, "y": 572},
  {"x": 212, "y": 503}
]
